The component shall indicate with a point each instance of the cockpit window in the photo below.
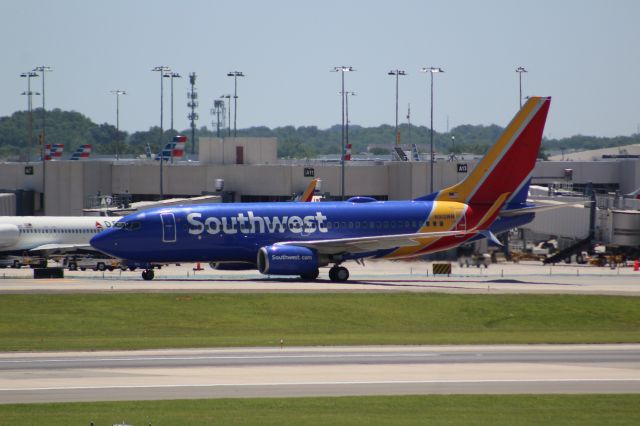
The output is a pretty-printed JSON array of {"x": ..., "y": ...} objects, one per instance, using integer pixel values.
[{"x": 128, "y": 226}]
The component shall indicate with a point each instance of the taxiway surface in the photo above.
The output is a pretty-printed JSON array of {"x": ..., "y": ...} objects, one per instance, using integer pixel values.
[
  {"x": 262, "y": 372},
  {"x": 377, "y": 276}
]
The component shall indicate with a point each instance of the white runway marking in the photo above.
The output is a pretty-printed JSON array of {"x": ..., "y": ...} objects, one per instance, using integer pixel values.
[{"x": 373, "y": 382}]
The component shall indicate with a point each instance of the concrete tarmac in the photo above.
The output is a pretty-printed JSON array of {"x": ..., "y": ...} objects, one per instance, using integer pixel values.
[
  {"x": 335, "y": 371},
  {"x": 376, "y": 276}
]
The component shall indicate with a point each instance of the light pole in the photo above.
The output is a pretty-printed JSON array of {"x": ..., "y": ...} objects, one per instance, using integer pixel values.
[
  {"x": 520, "y": 70},
  {"x": 29, "y": 93},
  {"x": 228, "y": 98},
  {"x": 171, "y": 75},
  {"x": 346, "y": 103},
  {"x": 118, "y": 92},
  {"x": 397, "y": 73},
  {"x": 235, "y": 75},
  {"x": 192, "y": 116},
  {"x": 43, "y": 69},
  {"x": 162, "y": 70},
  {"x": 342, "y": 70},
  {"x": 432, "y": 71}
]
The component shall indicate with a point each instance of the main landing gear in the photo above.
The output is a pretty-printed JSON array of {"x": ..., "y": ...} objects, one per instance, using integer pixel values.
[
  {"x": 338, "y": 273},
  {"x": 147, "y": 274}
]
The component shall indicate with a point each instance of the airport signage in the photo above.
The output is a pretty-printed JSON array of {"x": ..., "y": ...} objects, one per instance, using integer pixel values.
[
  {"x": 462, "y": 167},
  {"x": 28, "y": 170},
  {"x": 309, "y": 172}
]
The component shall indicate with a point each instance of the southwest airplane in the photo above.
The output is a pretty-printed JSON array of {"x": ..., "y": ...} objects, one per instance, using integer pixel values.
[{"x": 298, "y": 238}]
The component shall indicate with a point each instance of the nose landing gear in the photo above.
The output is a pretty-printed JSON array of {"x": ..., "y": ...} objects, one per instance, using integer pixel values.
[{"x": 147, "y": 274}]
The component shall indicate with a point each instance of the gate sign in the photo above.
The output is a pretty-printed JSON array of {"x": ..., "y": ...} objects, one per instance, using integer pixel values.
[
  {"x": 309, "y": 172},
  {"x": 462, "y": 167}
]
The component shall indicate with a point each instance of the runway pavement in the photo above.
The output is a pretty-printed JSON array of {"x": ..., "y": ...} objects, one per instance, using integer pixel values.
[
  {"x": 261, "y": 372},
  {"x": 377, "y": 276}
]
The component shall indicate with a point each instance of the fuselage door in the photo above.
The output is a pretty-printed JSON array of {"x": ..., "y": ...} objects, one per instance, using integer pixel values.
[{"x": 168, "y": 227}]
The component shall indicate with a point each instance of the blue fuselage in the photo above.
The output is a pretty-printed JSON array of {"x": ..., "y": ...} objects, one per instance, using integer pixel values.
[{"x": 236, "y": 232}]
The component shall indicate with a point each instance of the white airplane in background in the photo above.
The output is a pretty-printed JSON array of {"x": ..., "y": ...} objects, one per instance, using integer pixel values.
[{"x": 47, "y": 235}]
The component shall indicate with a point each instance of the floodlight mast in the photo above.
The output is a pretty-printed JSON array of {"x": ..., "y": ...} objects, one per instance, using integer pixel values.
[
  {"x": 342, "y": 70},
  {"x": 397, "y": 73},
  {"x": 235, "y": 75},
  {"x": 118, "y": 92},
  {"x": 162, "y": 69},
  {"x": 432, "y": 71}
]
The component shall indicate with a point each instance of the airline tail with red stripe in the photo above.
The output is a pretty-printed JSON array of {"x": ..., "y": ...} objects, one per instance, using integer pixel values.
[{"x": 508, "y": 165}]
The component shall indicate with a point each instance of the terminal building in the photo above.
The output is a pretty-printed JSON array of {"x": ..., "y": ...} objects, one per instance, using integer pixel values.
[{"x": 251, "y": 172}]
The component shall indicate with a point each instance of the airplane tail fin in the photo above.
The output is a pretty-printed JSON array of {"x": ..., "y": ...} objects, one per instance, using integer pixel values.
[
  {"x": 83, "y": 151},
  {"x": 174, "y": 148},
  {"x": 507, "y": 167},
  {"x": 307, "y": 196}
]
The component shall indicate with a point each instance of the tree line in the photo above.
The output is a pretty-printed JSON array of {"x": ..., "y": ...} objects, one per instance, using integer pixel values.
[{"x": 73, "y": 129}]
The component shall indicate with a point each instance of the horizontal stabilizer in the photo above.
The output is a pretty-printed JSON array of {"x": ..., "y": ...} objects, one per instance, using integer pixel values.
[
  {"x": 539, "y": 208},
  {"x": 491, "y": 237}
]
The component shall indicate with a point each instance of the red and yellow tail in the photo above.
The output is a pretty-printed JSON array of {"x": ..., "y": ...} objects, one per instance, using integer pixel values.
[
  {"x": 508, "y": 164},
  {"x": 307, "y": 196}
]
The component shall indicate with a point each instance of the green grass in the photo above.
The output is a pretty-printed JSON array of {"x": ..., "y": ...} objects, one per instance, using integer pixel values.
[
  {"x": 138, "y": 321},
  {"x": 512, "y": 410}
]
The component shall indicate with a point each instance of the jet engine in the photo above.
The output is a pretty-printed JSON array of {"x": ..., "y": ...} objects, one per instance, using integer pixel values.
[
  {"x": 287, "y": 260},
  {"x": 8, "y": 234}
]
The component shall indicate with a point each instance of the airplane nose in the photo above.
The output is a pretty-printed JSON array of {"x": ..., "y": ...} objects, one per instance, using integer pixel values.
[{"x": 104, "y": 242}]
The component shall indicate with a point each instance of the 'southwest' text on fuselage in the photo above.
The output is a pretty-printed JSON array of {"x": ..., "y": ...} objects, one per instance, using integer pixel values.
[{"x": 250, "y": 224}]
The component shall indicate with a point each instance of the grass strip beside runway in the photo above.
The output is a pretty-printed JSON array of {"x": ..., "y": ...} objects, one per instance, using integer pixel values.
[
  {"x": 138, "y": 321},
  {"x": 567, "y": 410}
]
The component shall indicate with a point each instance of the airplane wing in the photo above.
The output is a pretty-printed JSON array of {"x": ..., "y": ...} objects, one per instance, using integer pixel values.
[
  {"x": 62, "y": 247},
  {"x": 367, "y": 244}
]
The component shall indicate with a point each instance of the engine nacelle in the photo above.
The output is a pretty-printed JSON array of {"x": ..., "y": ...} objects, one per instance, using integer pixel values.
[
  {"x": 232, "y": 266},
  {"x": 287, "y": 260},
  {"x": 8, "y": 234}
]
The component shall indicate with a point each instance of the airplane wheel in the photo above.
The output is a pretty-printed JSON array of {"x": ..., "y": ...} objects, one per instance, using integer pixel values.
[
  {"x": 339, "y": 274},
  {"x": 310, "y": 276},
  {"x": 101, "y": 266},
  {"x": 73, "y": 266},
  {"x": 147, "y": 274}
]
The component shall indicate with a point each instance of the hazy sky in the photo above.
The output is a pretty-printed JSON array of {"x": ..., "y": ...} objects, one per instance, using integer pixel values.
[{"x": 585, "y": 54}]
